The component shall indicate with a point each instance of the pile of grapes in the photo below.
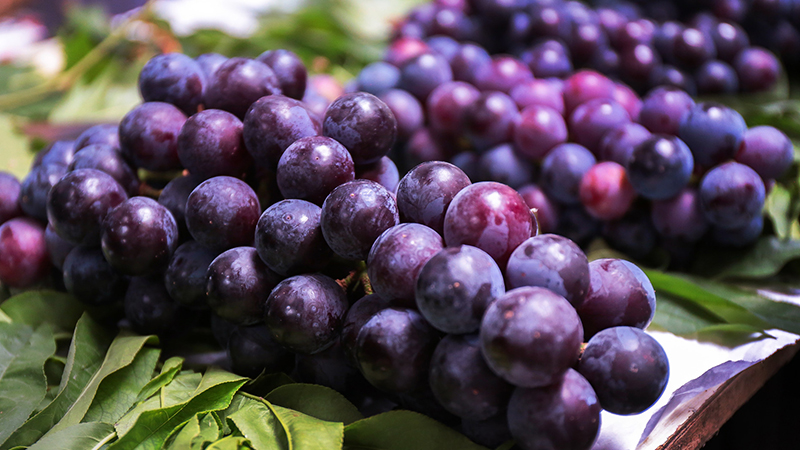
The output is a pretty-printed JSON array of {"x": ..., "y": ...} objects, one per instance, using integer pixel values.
[{"x": 429, "y": 292}]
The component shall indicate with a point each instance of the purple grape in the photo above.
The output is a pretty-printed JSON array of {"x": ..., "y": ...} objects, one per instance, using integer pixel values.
[
  {"x": 633, "y": 234},
  {"x": 713, "y": 132},
  {"x": 444, "y": 45},
  {"x": 384, "y": 172},
  {"x": 24, "y": 259},
  {"x": 378, "y": 77},
  {"x": 272, "y": 124},
  {"x": 758, "y": 69},
  {"x": 421, "y": 74},
  {"x": 36, "y": 186},
  {"x": 741, "y": 236},
  {"x": 618, "y": 143},
  {"x": 425, "y": 146},
  {"x": 627, "y": 368},
  {"x": 173, "y": 78},
  {"x": 660, "y": 167},
  {"x": 358, "y": 314},
  {"x": 239, "y": 82},
  {"x": 403, "y": 50},
  {"x": 149, "y": 308},
  {"x": 407, "y": 110},
  {"x": 732, "y": 195},
  {"x": 222, "y": 212},
  {"x": 546, "y": 210},
  {"x": 539, "y": 129},
  {"x": 210, "y": 144},
  {"x": 607, "y": 61},
  {"x": 109, "y": 160},
  {"x": 253, "y": 351},
  {"x": 666, "y": 75},
  {"x": 540, "y": 92},
  {"x": 716, "y": 77},
  {"x": 502, "y": 74},
  {"x": 468, "y": 60},
  {"x": 635, "y": 32},
  {"x": 549, "y": 58},
  {"x": 447, "y": 106},
  {"x": 530, "y": 336},
  {"x": 467, "y": 161},
  {"x": 289, "y": 239},
  {"x": 363, "y": 124},
  {"x": 638, "y": 63},
  {"x": 61, "y": 152},
  {"x": 680, "y": 217},
  {"x": 492, "y": 432},
  {"x": 490, "y": 119},
  {"x": 591, "y": 120},
  {"x": 354, "y": 215},
  {"x": 289, "y": 69},
  {"x": 139, "y": 236},
  {"x": 606, "y": 192},
  {"x": 185, "y": 277},
  {"x": 426, "y": 191},
  {"x": 89, "y": 277},
  {"x": 562, "y": 171},
  {"x": 174, "y": 197},
  {"x": 504, "y": 165},
  {"x": 766, "y": 150},
  {"x": 57, "y": 247},
  {"x": 628, "y": 99},
  {"x": 99, "y": 134},
  {"x": 693, "y": 47},
  {"x": 80, "y": 201},
  {"x": 586, "y": 85},
  {"x": 305, "y": 313},
  {"x": 729, "y": 38},
  {"x": 312, "y": 167},
  {"x": 148, "y": 136},
  {"x": 330, "y": 368},
  {"x": 210, "y": 62},
  {"x": 550, "y": 20},
  {"x": 664, "y": 108}
]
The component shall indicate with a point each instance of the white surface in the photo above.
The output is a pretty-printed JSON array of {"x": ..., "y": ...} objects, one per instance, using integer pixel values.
[{"x": 235, "y": 17}]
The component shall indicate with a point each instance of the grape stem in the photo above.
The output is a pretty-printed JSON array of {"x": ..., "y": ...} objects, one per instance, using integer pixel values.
[{"x": 357, "y": 277}]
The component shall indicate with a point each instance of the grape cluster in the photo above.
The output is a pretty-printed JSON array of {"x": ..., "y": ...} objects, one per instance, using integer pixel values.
[{"x": 276, "y": 223}]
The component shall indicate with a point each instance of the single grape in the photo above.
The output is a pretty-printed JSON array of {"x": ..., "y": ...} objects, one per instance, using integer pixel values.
[
  {"x": 693, "y": 47},
  {"x": 148, "y": 136},
  {"x": 585, "y": 85},
  {"x": 660, "y": 167},
  {"x": 502, "y": 74},
  {"x": 253, "y": 350},
  {"x": 426, "y": 146},
  {"x": 426, "y": 191},
  {"x": 91, "y": 279},
  {"x": 109, "y": 160},
  {"x": 289, "y": 69},
  {"x": 357, "y": 315},
  {"x": 322, "y": 89},
  {"x": 149, "y": 308},
  {"x": 35, "y": 187},
  {"x": 312, "y": 167},
  {"x": 99, "y": 134},
  {"x": 407, "y": 110},
  {"x": 173, "y": 78},
  {"x": 383, "y": 172},
  {"x": 591, "y": 120},
  {"x": 542, "y": 92},
  {"x": 716, "y": 77},
  {"x": 680, "y": 217},
  {"x": 732, "y": 195},
  {"x": 420, "y": 75},
  {"x": 490, "y": 119},
  {"x": 549, "y": 58},
  {"x": 57, "y": 247},
  {"x": 767, "y": 151},
  {"x": 402, "y": 50},
  {"x": 671, "y": 76},
  {"x": 378, "y": 77},
  {"x": 504, "y": 165},
  {"x": 637, "y": 64},
  {"x": 24, "y": 257},
  {"x": 741, "y": 236},
  {"x": 664, "y": 108},
  {"x": 222, "y": 213},
  {"x": 174, "y": 196},
  {"x": 185, "y": 277},
  {"x": 210, "y": 62},
  {"x": 545, "y": 209},
  {"x": 363, "y": 124},
  {"x": 468, "y": 60},
  {"x": 758, "y": 69},
  {"x": 713, "y": 132},
  {"x": 239, "y": 82},
  {"x": 539, "y": 129},
  {"x": 729, "y": 39},
  {"x": 61, "y": 153},
  {"x": 447, "y": 105},
  {"x": 562, "y": 171},
  {"x": 210, "y": 144},
  {"x": 628, "y": 99},
  {"x": 444, "y": 45}
]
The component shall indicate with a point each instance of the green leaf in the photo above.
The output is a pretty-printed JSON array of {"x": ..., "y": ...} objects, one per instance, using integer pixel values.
[
  {"x": 16, "y": 156},
  {"x": 23, "y": 353},
  {"x": 34, "y": 308},
  {"x": 181, "y": 389},
  {"x": 84, "y": 436},
  {"x": 308, "y": 433},
  {"x": 765, "y": 259},
  {"x": 230, "y": 443},
  {"x": 402, "y": 430},
  {"x": 97, "y": 100},
  {"x": 152, "y": 427},
  {"x": 266, "y": 383},
  {"x": 181, "y": 439},
  {"x": 209, "y": 431},
  {"x": 257, "y": 422},
  {"x": 317, "y": 401},
  {"x": 681, "y": 317},
  {"x": 169, "y": 370},
  {"x": 85, "y": 356},
  {"x": 779, "y": 210}
]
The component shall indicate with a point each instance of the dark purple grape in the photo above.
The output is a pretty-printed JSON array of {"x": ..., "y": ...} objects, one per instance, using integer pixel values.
[
  {"x": 716, "y": 77},
  {"x": 148, "y": 136},
  {"x": 564, "y": 415},
  {"x": 627, "y": 368},
  {"x": 239, "y": 82},
  {"x": 586, "y": 85},
  {"x": 312, "y": 167},
  {"x": 455, "y": 287},
  {"x": 149, "y": 308},
  {"x": 89, "y": 277},
  {"x": 577, "y": 225},
  {"x": 330, "y": 368},
  {"x": 607, "y": 61},
  {"x": 99, "y": 134},
  {"x": 289, "y": 238},
  {"x": 545, "y": 210},
  {"x": 467, "y": 161},
  {"x": 397, "y": 257},
  {"x": 210, "y": 62},
  {"x": 384, "y": 172},
  {"x": 394, "y": 349},
  {"x": 502, "y": 74},
  {"x": 492, "y": 432},
  {"x": 61, "y": 153},
  {"x": 693, "y": 47},
  {"x": 222, "y": 212},
  {"x": 449, "y": 22},
  {"x": 562, "y": 171},
  {"x": 732, "y": 195},
  {"x": 447, "y": 105},
  {"x": 741, "y": 236},
  {"x": 24, "y": 259},
  {"x": 36, "y": 186},
  {"x": 664, "y": 108},
  {"x": 490, "y": 216},
  {"x": 426, "y": 191},
  {"x": 253, "y": 350},
  {"x": 540, "y": 92},
  {"x": 403, "y": 50},
  {"x": 620, "y": 294},
  {"x": 238, "y": 284},
  {"x": 79, "y": 202},
  {"x": 548, "y": 59},
  {"x": 358, "y": 314},
  {"x": 586, "y": 39},
  {"x": 173, "y": 78},
  {"x": 109, "y": 160},
  {"x": 210, "y": 144},
  {"x": 444, "y": 45},
  {"x": 729, "y": 38},
  {"x": 272, "y": 124},
  {"x": 407, "y": 111},
  {"x": 539, "y": 129},
  {"x": 530, "y": 336},
  {"x": 633, "y": 234},
  {"x": 767, "y": 151},
  {"x": 174, "y": 196},
  {"x": 680, "y": 217},
  {"x": 425, "y": 146},
  {"x": 463, "y": 383},
  {"x": 666, "y": 75},
  {"x": 618, "y": 143},
  {"x": 635, "y": 32},
  {"x": 57, "y": 247},
  {"x": 421, "y": 74},
  {"x": 665, "y": 36},
  {"x": 660, "y": 167},
  {"x": 638, "y": 63},
  {"x": 758, "y": 69},
  {"x": 468, "y": 60},
  {"x": 354, "y": 215},
  {"x": 289, "y": 69},
  {"x": 185, "y": 277},
  {"x": 713, "y": 132},
  {"x": 490, "y": 119},
  {"x": 378, "y": 77},
  {"x": 591, "y": 120},
  {"x": 139, "y": 236},
  {"x": 363, "y": 124},
  {"x": 504, "y": 165},
  {"x": 305, "y": 313}
]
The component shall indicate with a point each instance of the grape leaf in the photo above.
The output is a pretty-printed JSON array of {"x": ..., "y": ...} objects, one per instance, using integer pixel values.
[
  {"x": 181, "y": 438},
  {"x": 16, "y": 156},
  {"x": 257, "y": 422},
  {"x": 317, "y": 401},
  {"x": 84, "y": 436},
  {"x": 765, "y": 259},
  {"x": 181, "y": 389},
  {"x": 169, "y": 370},
  {"x": 229, "y": 443},
  {"x": 401, "y": 430},
  {"x": 308, "y": 433},
  {"x": 22, "y": 380},
  {"x": 198, "y": 432},
  {"x": 34, "y": 308}
]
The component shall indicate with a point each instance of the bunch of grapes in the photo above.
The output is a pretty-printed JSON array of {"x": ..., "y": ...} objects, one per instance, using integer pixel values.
[{"x": 465, "y": 313}]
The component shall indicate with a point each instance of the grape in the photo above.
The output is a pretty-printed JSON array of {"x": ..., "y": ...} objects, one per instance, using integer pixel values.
[
  {"x": 383, "y": 172},
  {"x": 664, "y": 108},
  {"x": 449, "y": 22},
  {"x": 502, "y": 74},
  {"x": 424, "y": 146},
  {"x": 321, "y": 91},
  {"x": 330, "y": 368},
  {"x": 404, "y": 49},
  {"x": 222, "y": 213},
  {"x": 586, "y": 85},
  {"x": 680, "y": 217},
  {"x": 447, "y": 105},
  {"x": 107, "y": 159},
  {"x": 463, "y": 383},
  {"x": 358, "y": 314},
  {"x": 139, "y": 236},
  {"x": 530, "y": 336},
  {"x": 670, "y": 76},
  {"x": 490, "y": 119},
  {"x": 660, "y": 167},
  {"x": 490, "y": 216},
  {"x": 577, "y": 225},
  {"x": 210, "y": 144},
  {"x": 10, "y": 193},
  {"x": 443, "y": 45},
  {"x": 586, "y": 39},
  {"x": 394, "y": 349},
  {"x": 547, "y": 92},
  {"x": 468, "y": 60},
  {"x": 253, "y": 350},
  {"x": 627, "y": 369},
  {"x": 565, "y": 415},
  {"x": 716, "y": 77},
  {"x": 638, "y": 63},
  {"x": 549, "y": 58},
  {"x": 629, "y": 99},
  {"x": 407, "y": 110},
  {"x": 305, "y": 313},
  {"x": 729, "y": 39},
  {"x": 766, "y": 150},
  {"x": 363, "y": 124},
  {"x": 185, "y": 277},
  {"x": 61, "y": 153},
  {"x": 633, "y": 234},
  {"x": 693, "y": 47},
  {"x": 550, "y": 21},
  {"x": 539, "y": 129},
  {"x": 312, "y": 167},
  {"x": 36, "y": 186},
  {"x": 99, "y": 134},
  {"x": 606, "y": 60},
  {"x": 173, "y": 78},
  {"x": 238, "y": 284},
  {"x": 149, "y": 308},
  {"x": 455, "y": 287},
  {"x": 741, "y": 236},
  {"x": 589, "y": 121},
  {"x": 148, "y": 136},
  {"x": 562, "y": 171},
  {"x": 420, "y": 75},
  {"x": 289, "y": 238},
  {"x": 378, "y": 77},
  {"x": 665, "y": 36},
  {"x": 713, "y": 132},
  {"x": 174, "y": 196},
  {"x": 79, "y": 202},
  {"x": 618, "y": 143},
  {"x": 289, "y": 69},
  {"x": 272, "y": 124},
  {"x": 620, "y": 294},
  {"x": 91, "y": 279},
  {"x": 24, "y": 259},
  {"x": 635, "y": 32},
  {"x": 57, "y": 247},
  {"x": 492, "y": 432},
  {"x": 239, "y": 82},
  {"x": 504, "y": 165},
  {"x": 210, "y": 62},
  {"x": 354, "y": 215},
  {"x": 732, "y": 194},
  {"x": 758, "y": 69},
  {"x": 546, "y": 210},
  {"x": 426, "y": 191}
]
